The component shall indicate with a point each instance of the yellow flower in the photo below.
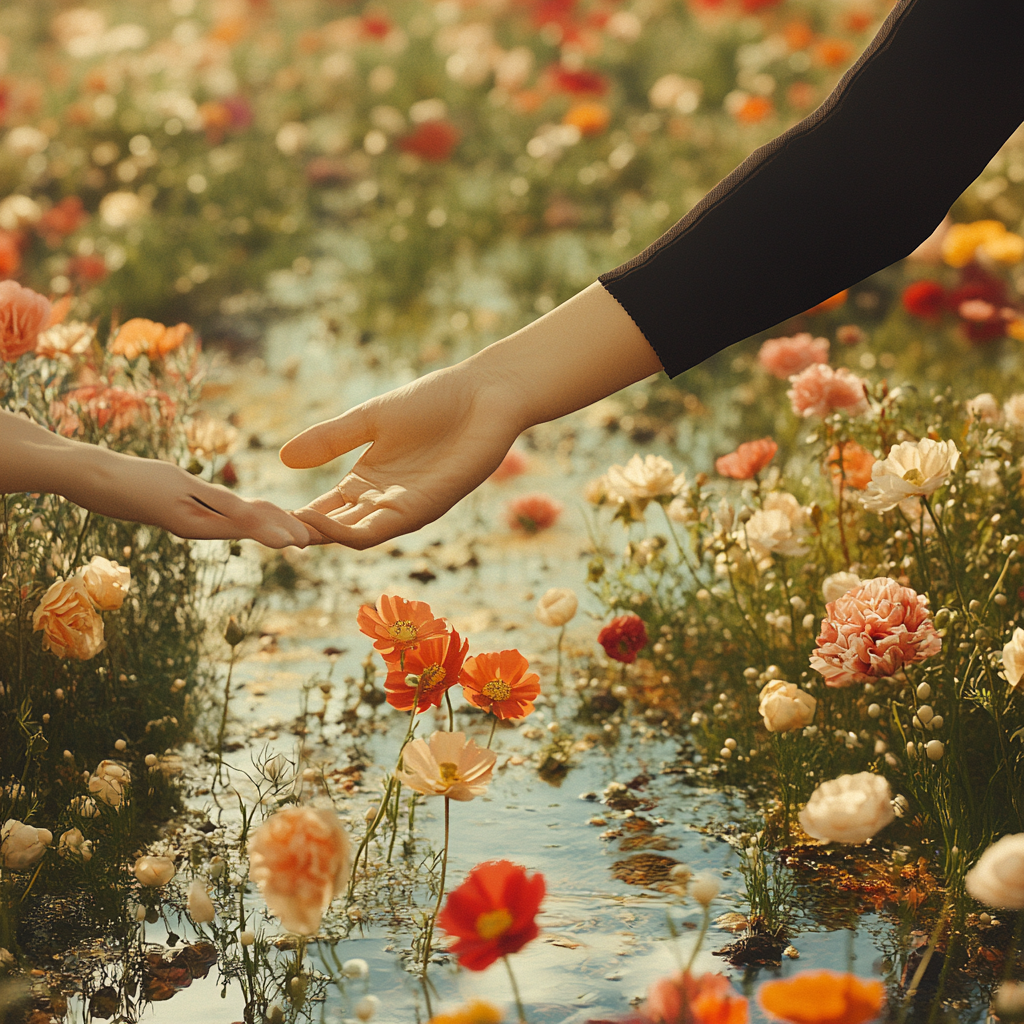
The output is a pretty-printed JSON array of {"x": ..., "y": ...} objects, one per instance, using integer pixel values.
[
  {"x": 962, "y": 242},
  {"x": 476, "y": 1012}
]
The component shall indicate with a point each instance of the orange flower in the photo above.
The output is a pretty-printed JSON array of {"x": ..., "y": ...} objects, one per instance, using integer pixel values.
[
  {"x": 851, "y": 464},
  {"x": 684, "y": 999},
  {"x": 754, "y": 109},
  {"x": 436, "y": 662},
  {"x": 748, "y": 460},
  {"x": 833, "y": 53},
  {"x": 23, "y": 314},
  {"x": 832, "y": 302},
  {"x": 798, "y": 34},
  {"x": 499, "y": 684},
  {"x": 533, "y": 512},
  {"x": 590, "y": 118},
  {"x": 432, "y": 140},
  {"x": 144, "y": 337},
  {"x": 822, "y": 997},
  {"x": 71, "y": 627},
  {"x": 396, "y": 624},
  {"x": 475, "y": 1012}
]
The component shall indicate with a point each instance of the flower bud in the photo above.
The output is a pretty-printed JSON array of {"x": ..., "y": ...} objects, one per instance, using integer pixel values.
[{"x": 704, "y": 888}]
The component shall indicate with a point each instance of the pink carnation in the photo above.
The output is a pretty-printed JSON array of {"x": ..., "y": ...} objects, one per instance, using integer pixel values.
[
  {"x": 872, "y": 631},
  {"x": 819, "y": 390},
  {"x": 23, "y": 314},
  {"x": 785, "y": 357}
]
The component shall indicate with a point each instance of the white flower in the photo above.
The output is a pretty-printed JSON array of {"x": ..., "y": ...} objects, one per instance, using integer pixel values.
[
  {"x": 108, "y": 782},
  {"x": 84, "y": 807},
  {"x": 200, "y": 906},
  {"x": 986, "y": 475},
  {"x": 775, "y": 528},
  {"x": 355, "y": 968},
  {"x": 704, "y": 888},
  {"x": 983, "y": 408},
  {"x": 154, "y": 871},
  {"x": 247, "y": 938},
  {"x": 911, "y": 468},
  {"x": 366, "y": 1008},
  {"x": 998, "y": 878},
  {"x": 850, "y": 809},
  {"x": 642, "y": 480},
  {"x": 1013, "y": 410},
  {"x": 1013, "y": 659},
  {"x": 679, "y": 510},
  {"x": 557, "y": 606},
  {"x": 22, "y": 845},
  {"x": 119, "y": 209},
  {"x": 784, "y": 706},
  {"x": 1008, "y": 1000},
  {"x": 833, "y": 587},
  {"x": 206, "y": 435},
  {"x": 73, "y": 843}
]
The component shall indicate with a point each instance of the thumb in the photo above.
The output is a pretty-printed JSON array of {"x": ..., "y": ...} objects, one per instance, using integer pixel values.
[{"x": 327, "y": 440}]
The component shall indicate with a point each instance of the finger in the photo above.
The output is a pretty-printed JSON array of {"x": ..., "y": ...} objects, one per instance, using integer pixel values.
[
  {"x": 349, "y": 492},
  {"x": 326, "y": 441},
  {"x": 261, "y": 520},
  {"x": 380, "y": 525}
]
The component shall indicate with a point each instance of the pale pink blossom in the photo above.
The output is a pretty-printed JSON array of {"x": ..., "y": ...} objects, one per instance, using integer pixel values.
[
  {"x": 872, "y": 631},
  {"x": 23, "y": 314},
  {"x": 819, "y": 391},
  {"x": 786, "y": 357},
  {"x": 447, "y": 765},
  {"x": 983, "y": 407}
]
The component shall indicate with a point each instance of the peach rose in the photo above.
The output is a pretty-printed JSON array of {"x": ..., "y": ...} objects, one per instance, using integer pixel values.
[
  {"x": 106, "y": 582},
  {"x": 71, "y": 625},
  {"x": 23, "y": 314},
  {"x": 300, "y": 860},
  {"x": 785, "y": 357},
  {"x": 819, "y": 391}
]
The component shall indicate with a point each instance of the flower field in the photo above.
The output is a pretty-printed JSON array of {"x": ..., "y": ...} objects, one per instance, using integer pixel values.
[{"x": 765, "y": 619}]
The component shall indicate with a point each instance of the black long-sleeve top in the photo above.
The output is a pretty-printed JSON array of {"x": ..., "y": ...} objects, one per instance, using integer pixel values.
[{"x": 852, "y": 188}]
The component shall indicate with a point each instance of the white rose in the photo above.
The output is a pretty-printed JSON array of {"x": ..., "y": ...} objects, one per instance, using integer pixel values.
[
  {"x": 73, "y": 844},
  {"x": 784, "y": 706},
  {"x": 998, "y": 878},
  {"x": 1013, "y": 410},
  {"x": 22, "y": 845},
  {"x": 1013, "y": 659},
  {"x": 641, "y": 480},
  {"x": 850, "y": 809},
  {"x": 108, "y": 782},
  {"x": 911, "y": 468},
  {"x": 557, "y": 606},
  {"x": 704, "y": 888},
  {"x": 775, "y": 528},
  {"x": 200, "y": 906},
  {"x": 833, "y": 587},
  {"x": 983, "y": 407},
  {"x": 154, "y": 871}
]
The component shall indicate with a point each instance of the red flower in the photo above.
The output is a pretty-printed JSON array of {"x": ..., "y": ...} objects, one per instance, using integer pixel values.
[
  {"x": 10, "y": 253},
  {"x": 748, "y": 460},
  {"x": 924, "y": 299},
  {"x": 376, "y": 26},
  {"x": 578, "y": 83},
  {"x": 753, "y": 6},
  {"x": 533, "y": 512},
  {"x": 90, "y": 269},
  {"x": 623, "y": 638},
  {"x": 500, "y": 683},
  {"x": 511, "y": 466},
  {"x": 432, "y": 140},
  {"x": 437, "y": 662},
  {"x": 976, "y": 284},
  {"x": 63, "y": 219},
  {"x": 492, "y": 913}
]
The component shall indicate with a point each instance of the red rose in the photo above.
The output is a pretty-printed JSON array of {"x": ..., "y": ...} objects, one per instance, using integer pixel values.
[
  {"x": 624, "y": 638},
  {"x": 578, "y": 83},
  {"x": 924, "y": 299},
  {"x": 492, "y": 913}
]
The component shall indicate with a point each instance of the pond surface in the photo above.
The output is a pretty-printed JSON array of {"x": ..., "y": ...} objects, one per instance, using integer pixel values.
[{"x": 603, "y": 940}]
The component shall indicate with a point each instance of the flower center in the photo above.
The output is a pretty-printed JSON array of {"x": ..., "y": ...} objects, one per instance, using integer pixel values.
[
  {"x": 449, "y": 772},
  {"x": 493, "y": 923},
  {"x": 431, "y": 677},
  {"x": 914, "y": 476},
  {"x": 402, "y": 630},
  {"x": 497, "y": 690}
]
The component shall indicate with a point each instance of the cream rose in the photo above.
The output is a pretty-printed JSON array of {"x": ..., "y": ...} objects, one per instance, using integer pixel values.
[
  {"x": 833, "y": 587},
  {"x": 108, "y": 782},
  {"x": 850, "y": 809},
  {"x": 73, "y": 844},
  {"x": 775, "y": 528},
  {"x": 997, "y": 880},
  {"x": 200, "y": 906},
  {"x": 1013, "y": 659},
  {"x": 22, "y": 845},
  {"x": 71, "y": 626},
  {"x": 106, "y": 582},
  {"x": 785, "y": 707},
  {"x": 912, "y": 468},
  {"x": 154, "y": 871},
  {"x": 557, "y": 606}
]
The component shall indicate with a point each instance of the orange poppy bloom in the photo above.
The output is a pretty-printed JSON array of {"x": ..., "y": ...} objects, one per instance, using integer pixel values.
[
  {"x": 684, "y": 999},
  {"x": 435, "y": 662},
  {"x": 833, "y": 53},
  {"x": 850, "y": 464},
  {"x": 589, "y": 118},
  {"x": 748, "y": 460},
  {"x": 500, "y": 684},
  {"x": 798, "y": 34},
  {"x": 822, "y": 997},
  {"x": 398, "y": 625},
  {"x": 754, "y": 109},
  {"x": 144, "y": 337}
]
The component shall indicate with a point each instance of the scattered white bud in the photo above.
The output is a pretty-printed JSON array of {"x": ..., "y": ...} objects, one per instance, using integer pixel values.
[
  {"x": 367, "y": 1007},
  {"x": 875, "y": 710},
  {"x": 247, "y": 938},
  {"x": 150, "y": 760},
  {"x": 934, "y": 749},
  {"x": 924, "y": 691},
  {"x": 725, "y": 753},
  {"x": 355, "y": 968},
  {"x": 704, "y": 888},
  {"x": 731, "y": 744}
]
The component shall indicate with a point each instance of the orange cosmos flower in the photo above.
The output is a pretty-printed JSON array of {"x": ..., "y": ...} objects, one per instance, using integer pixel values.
[
  {"x": 396, "y": 624},
  {"x": 684, "y": 999},
  {"x": 499, "y": 684},
  {"x": 822, "y": 997},
  {"x": 850, "y": 464},
  {"x": 436, "y": 662},
  {"x": 137, "y": 337}
]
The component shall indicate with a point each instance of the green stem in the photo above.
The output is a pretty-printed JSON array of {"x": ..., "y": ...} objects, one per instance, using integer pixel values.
[
  {"x": 925, "y": 960},
  {"x": 494, "y": 725},
  {"x": 81, "y": 537},
  {"x": 451, "y": 711},
  {"x": 558, "y": 663},
  {"x": 224, "y": 719},
  {"x": 705, "y": 921},
  {"x": 440, "y": 891},
  {"x": 515, "y": 991}
]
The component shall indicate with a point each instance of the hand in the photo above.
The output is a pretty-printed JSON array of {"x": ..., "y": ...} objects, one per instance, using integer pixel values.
[{"x": 431, "y": 443}]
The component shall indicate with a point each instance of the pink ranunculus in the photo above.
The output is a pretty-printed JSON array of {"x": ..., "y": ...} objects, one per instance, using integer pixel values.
[
  {"x": 785, "y": 357},
  {"x": 820, "y": 391},
  {"x": 872, "y": 631},
  {"x": 23, "y": 314}
]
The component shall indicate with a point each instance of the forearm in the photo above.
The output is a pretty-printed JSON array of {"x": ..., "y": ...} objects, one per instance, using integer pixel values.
[
  {"x": 34, "y": 459},
  {"x": 582, "y": 351}
]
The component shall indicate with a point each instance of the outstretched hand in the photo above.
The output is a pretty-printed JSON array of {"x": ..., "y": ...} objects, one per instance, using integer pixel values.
[{"x": 431, "y": 443}]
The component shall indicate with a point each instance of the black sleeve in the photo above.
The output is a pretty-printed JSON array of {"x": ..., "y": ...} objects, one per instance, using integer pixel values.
[{"x": 852, "y": 188}]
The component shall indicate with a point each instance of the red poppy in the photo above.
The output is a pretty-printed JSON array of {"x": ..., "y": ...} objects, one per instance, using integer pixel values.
[
  {"x": 492, "y": 913},
  {"x": 624, "y": 638},
  {"x": 924, "y": 299},
  {"x": 512, "y": 465},
  {"x": 748, "y": 460},
  {"x": 376, "y": 26},
  {"x": 578, "y": 83},
  {"x": 435, "y": 662},
  {"x": 753, "y": 6},
  {"x": 977, "y": 284},
  {"x": 62, "y": 219},
  {"x": 533, "y": 512},
  {"x": 432, "y": 140}
]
